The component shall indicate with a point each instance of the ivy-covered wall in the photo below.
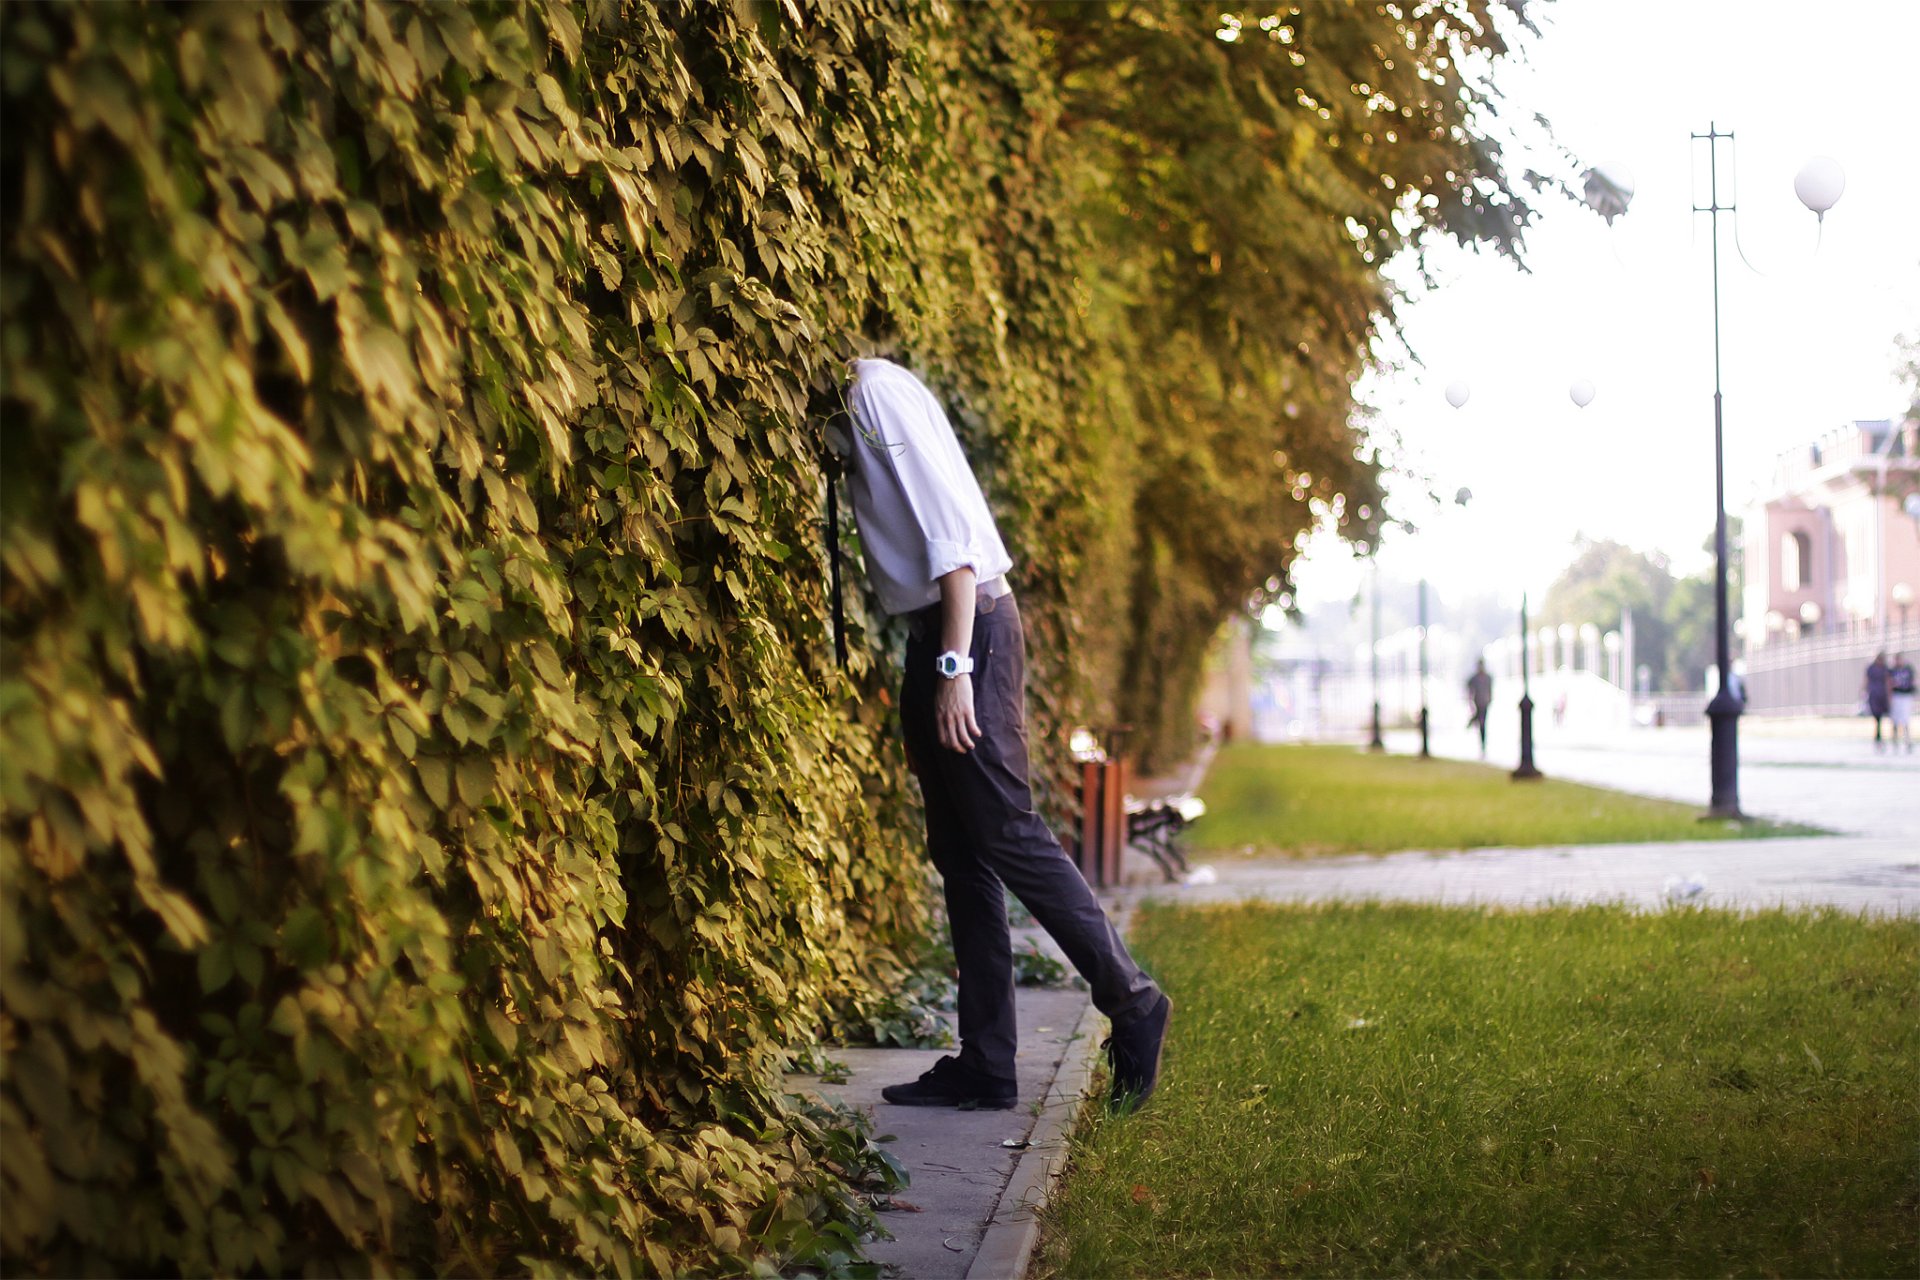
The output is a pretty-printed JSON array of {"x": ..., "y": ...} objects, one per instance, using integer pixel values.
[{"x": 429, "y": 806}]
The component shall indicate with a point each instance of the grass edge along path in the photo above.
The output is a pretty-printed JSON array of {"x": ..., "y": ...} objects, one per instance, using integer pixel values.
[
  {"x": 1303, "y": 800},
  {"x": 1416, "y": 1090}
]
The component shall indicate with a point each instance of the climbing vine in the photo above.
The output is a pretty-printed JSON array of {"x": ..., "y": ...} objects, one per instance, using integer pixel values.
[{"x": 430, "y": 810}]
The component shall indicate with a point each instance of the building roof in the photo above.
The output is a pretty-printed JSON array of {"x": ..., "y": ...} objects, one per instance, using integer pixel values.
[{"x": 1860, "y": 447}]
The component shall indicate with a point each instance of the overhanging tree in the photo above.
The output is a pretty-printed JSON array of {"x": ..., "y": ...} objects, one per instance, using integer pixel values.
[{"x": 1244, "y": 175}]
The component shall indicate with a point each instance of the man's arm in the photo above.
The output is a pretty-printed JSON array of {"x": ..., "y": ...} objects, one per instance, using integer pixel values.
[{"x": 953, "y": 699}]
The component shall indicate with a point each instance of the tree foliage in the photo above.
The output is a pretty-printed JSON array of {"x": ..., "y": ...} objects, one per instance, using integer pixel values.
[
  {"x": 1691, "y": 643},
  {"x": 425, "y": 812},
  {"x": 1245, "y": 174},
  {"x": 1606, "y": 579},
  {"x": 428, "y": 807},
  {"x": 1673, "y": 617}
]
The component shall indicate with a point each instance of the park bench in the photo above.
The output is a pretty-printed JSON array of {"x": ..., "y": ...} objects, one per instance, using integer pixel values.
[
  {"x": 1111, "y": 819},
  {"x": 1154, "y": 827}
]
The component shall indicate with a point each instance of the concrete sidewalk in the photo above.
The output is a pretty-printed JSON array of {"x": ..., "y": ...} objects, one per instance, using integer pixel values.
[
  {"x": 1874, "y": 876},
  {"x": 978, "y": 1176},
  {"x": 1831, "y": 778}
]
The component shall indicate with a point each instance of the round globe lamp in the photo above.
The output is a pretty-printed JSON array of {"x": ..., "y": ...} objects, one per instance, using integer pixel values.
[{"x": 1820, "y": 184}]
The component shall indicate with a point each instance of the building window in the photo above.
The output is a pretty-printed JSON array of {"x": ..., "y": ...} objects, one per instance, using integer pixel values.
[{"x": 1796, "y": 552}]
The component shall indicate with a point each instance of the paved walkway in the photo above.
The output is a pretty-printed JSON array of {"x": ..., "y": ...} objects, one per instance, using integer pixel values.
[
  {"x": 1817, "y": 774},
  {"x": 1877, "y": 876},
  {"x": 977, "y": 1175}
]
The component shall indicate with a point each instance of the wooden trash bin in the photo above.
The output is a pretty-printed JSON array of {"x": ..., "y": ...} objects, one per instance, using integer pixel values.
[{"x": 1103, "y": 821}]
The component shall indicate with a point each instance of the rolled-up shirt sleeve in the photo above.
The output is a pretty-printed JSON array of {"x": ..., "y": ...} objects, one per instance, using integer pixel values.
[{"x": 910, "y": 433}]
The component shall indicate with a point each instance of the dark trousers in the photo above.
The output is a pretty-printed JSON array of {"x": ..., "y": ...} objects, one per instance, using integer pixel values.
[{"x": 985, "y": 838}]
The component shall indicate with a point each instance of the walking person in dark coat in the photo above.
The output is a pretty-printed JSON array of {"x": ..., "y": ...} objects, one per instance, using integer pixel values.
[
  {"x": 934, "y": 555},
  {"x": 1480, "y": 694},
  {"x": 1875, "y": 690}
]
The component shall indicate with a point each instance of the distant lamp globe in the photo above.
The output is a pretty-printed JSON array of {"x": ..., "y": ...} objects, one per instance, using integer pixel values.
[
  {"x": 1463, "y": 496},
  {"x": 1902, "y": 594},
  {"x": 1607, "y": 189},
  {"x": 1582, "y": 392},
  {"x": 1819, "y": 184},
  {"x": 1809, "y": 614},
  {"x": 1457, "y": 393},
  {"x": 1912, "y": 505}
]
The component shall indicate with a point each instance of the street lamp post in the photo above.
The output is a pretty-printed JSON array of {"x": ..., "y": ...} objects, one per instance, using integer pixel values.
[
  {"x": 1424, "y": 753},
  {"x": 1526, "y": 772},
  {"x": 1818, "y": 184},
  {"x": 1723, "y": 712},
  {"x": 1373, "y": 660}
]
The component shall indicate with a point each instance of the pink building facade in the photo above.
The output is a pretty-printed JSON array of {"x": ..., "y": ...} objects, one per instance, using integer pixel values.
[{"x": 1829, "y": 548}]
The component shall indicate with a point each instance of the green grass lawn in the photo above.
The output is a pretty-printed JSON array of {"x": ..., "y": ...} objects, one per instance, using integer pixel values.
[
  {"x": 1307, "y": 800},
  {"x": 1411, "y": 1090}
]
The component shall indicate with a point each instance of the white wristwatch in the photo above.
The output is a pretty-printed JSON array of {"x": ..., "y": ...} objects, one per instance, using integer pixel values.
[{"x": 952, "y": 665}]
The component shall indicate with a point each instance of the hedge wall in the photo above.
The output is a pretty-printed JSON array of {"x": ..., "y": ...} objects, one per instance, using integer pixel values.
[{"x": 429, "y": 807}]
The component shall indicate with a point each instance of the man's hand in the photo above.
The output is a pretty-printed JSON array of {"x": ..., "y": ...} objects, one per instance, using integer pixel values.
[
  {"x": 953, "y": 700},
  {"x": 953, "y": 714}
]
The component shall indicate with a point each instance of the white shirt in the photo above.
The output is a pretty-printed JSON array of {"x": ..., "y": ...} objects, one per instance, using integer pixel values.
[{"x": 920, "y": 511}]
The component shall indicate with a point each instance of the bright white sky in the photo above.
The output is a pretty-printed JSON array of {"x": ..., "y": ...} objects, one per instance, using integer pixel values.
[{"x": 1805, "y": 348}]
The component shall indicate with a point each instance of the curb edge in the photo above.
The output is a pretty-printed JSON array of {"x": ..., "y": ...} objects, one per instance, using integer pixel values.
[{"x": 1014, "y": 1229}]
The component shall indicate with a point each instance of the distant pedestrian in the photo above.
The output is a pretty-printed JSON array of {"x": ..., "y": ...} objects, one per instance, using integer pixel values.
[
  {"x": 1480, "y": 694},
  {"x": 1900, "y": 702},
  {"x": 1874, "y": 695}
]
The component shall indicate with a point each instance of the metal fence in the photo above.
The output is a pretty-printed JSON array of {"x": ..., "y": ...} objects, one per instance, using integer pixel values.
[
  {"x": 1812, "y": 676},
  {"x": 1820, "y": 675},
  {"x": 1329, "y": 699},
  {"x": 1655, "y": 710}
]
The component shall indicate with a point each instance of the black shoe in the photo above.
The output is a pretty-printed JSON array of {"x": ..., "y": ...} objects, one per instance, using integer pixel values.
[
  {"x": 949, "y": 1084},
  {"x": 1133, "y": 1053}
]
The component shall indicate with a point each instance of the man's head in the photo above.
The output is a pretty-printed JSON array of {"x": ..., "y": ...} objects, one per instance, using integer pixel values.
[{"x": 879, "y": 335}]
